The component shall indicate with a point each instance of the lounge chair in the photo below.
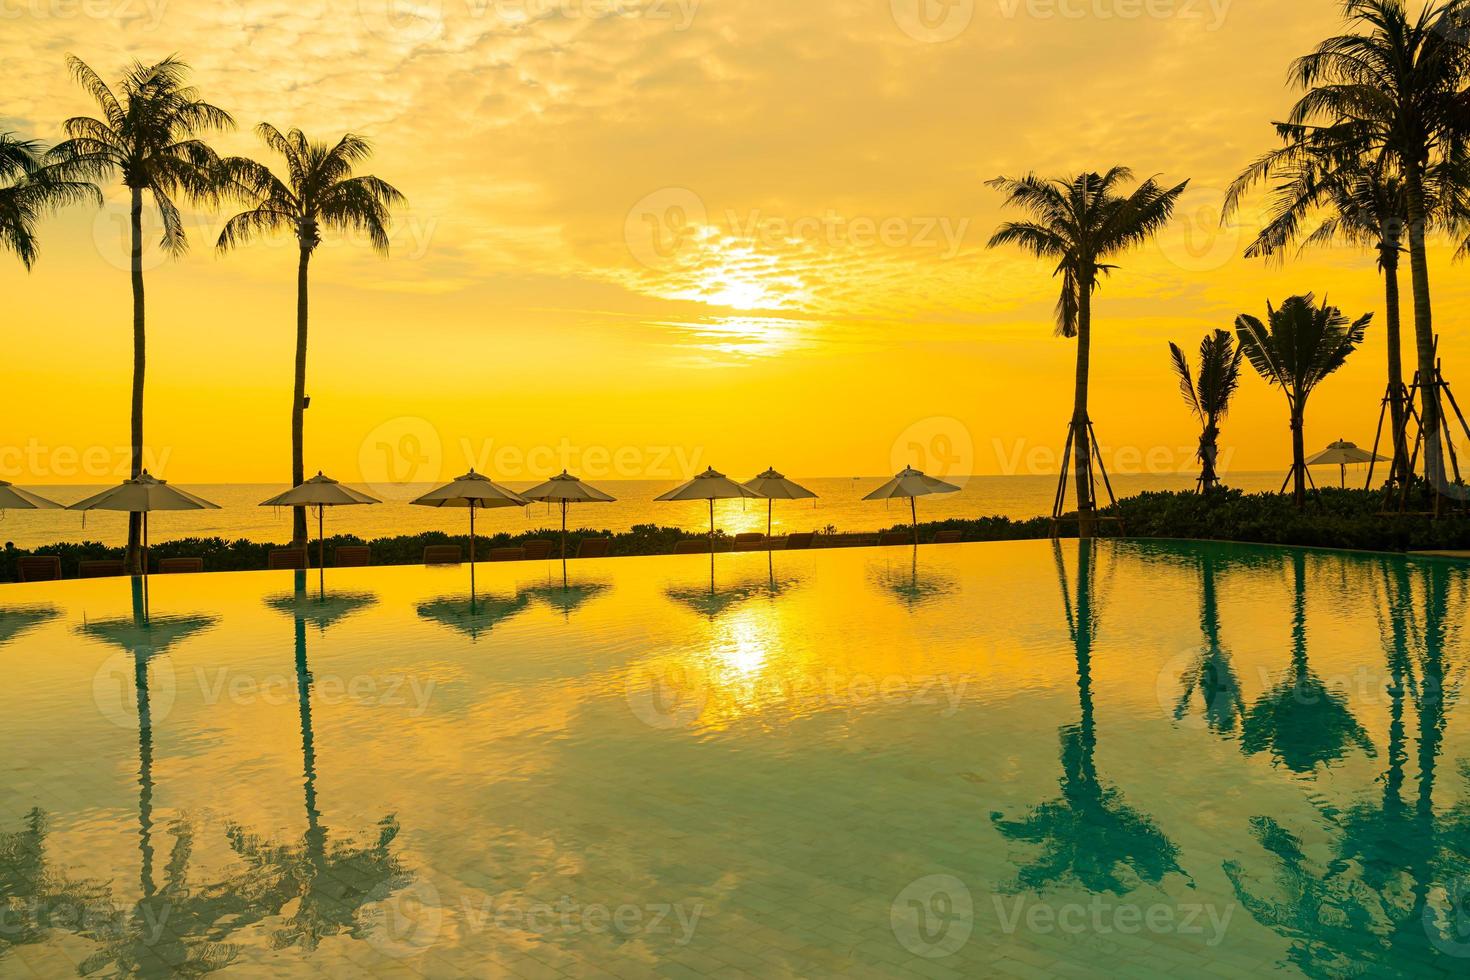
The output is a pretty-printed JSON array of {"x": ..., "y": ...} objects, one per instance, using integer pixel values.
[
  {"x": 799, "y": 542},
  {"x": 100, "y": 568},
  {"x": 353, "y": 556},
  {"x": 539, "y": 549},
  {"x": 594, "y": 547},
  {"x": 892, "y": 539},
  {"x": 747, "y": 537},
  {"x": 757, "y": 544},
  {"x": 947, "y": 537},
  {"x": 180, "y": 566},
  {"x": 507, "y": 554},
  {"x": 443, "y": 554},
  {"x": 694, "y": 546},
  {"x": 286, "y": 558},
  {"x": 38, "y": 568}
]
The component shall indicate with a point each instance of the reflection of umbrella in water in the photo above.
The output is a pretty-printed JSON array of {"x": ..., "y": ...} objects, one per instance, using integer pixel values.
[
  {"x": 714, "y": 604},
  {"x": 322, "y": 611},
  {"x": 912, "y": 589},
  {"x": 567, "y": 598},
  {"x": 20, "y": 619},
  {"x": 1300, "y": 720},
  {"x": 912, "y": 484},
  {"x": 1343, "y": 454},
  {"x": 473, "y": 615}
]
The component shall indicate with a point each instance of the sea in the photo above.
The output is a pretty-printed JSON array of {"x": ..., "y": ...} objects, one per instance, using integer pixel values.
[{"x": 839, "y": 506}]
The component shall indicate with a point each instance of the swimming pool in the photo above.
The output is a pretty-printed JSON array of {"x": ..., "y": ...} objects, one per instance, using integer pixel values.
[{"x": 1004, "y": 759}]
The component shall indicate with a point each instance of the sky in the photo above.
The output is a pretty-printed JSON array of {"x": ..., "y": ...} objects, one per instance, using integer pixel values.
[{"x": 646, "y": 237}]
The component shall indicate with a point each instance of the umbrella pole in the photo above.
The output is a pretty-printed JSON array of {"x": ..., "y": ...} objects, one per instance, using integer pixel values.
[
  {"x": 563, "y": 544},
  {"x": 472, "y": 554},
  {"x": 1343, "y": 476},
  {"x": 770, "y": 506},
  {"x": 145, "y": 566},
  {"x": 321, "y": 549},
  {"x": 712, "y": 531},
  {"x": 914, "y": 513}
]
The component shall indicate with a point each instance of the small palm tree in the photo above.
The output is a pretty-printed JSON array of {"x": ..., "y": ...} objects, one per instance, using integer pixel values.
[
  {"x": 1079, "y": 222},
  {"x": 149, "y": 136},
  {"x": 27, "y": 190},
  {"x": 1209, "y": 397},
  {"x": 319, "y": 192},
  {"x": 1296, "y": 349}
]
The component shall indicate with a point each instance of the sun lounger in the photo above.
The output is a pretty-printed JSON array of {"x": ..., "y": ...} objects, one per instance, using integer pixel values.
[
  {"x": 180, "y": 566},
  {"x": 354, "y": 556},
  {"x": 539, "y": 549},
  {"x": 594, "y": 547},
  {"x": 286, "y": 558},
  {"x": 100, "y": 568},
  {"x": 947, "y": 537},
  {"x": 38, "y": 568},
  {"x": 507, "y": 554},
  {"x": 443, "y": 554},
  {"x": 891, "y": 539},
  {"x": 799, "y": 542},
  {"x": 694, "y": 546}
]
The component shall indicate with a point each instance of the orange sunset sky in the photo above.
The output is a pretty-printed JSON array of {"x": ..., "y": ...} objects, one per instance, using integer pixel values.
[{"x": 675, "y": 233}]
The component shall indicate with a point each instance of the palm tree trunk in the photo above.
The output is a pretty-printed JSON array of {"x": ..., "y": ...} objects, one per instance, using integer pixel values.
[
  {"x": 1424, "y": 333},
  {"x": 1081, "y": 437},
  {"x": 1298, "y": 454},
  {"x": 1396, "y": 408},
  {"x": 140, "y": 359},
  {"x": 298, "y": 398}
]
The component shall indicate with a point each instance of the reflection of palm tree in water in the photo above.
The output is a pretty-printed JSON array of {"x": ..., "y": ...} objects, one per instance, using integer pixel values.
[
  {"x": 1301, "y": 721},
  {"x": 34, "y": 897},
  {"x": 1089, "y": 835},
  {"x": 1211, "y": 674},
  {"x": 1377, "y": 907},
  {"x": 329, "y": 884}
]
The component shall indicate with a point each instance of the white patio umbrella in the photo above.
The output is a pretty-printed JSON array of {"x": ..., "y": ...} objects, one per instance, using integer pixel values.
[
  {"x": 141, "y": 495},
  {"x": 710, "y": 486},
  {"x": 566, "y": 490},
  {"x": 912, "y": 484},
  {"x": 474, "y": 491},
  {"x": 773, "y": 486},
  {"x": 13, "y": 497},
  {"x": 1343, "y": 454},
  {"x": 320, "y": 492}
]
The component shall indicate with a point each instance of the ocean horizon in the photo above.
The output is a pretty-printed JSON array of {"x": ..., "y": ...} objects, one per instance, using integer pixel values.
[{"x": 839, "y": 506}]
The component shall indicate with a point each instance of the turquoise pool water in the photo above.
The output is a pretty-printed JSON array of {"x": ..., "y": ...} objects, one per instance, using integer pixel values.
[{"x": 1015, "y": 759}]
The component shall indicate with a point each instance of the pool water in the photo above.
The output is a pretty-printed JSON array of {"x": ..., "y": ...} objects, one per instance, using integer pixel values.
[{"x": 1024, "y": 759}]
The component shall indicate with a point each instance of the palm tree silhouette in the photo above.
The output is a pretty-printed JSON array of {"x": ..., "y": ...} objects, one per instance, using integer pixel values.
[
  {"x": 1080, "y": 222},
  {"x": 1392, "y": 88},
  {"x": 149, "y": 136},
  {"x": 1211, "y": 674},
  {"x": 1209, "y": 397},
  {"x": 38, "y": 897},
  {"x": 1303, "y": 344},
  {"x": 320, "y": 193},
  {"x": 1300, "y": 720},
  {"x": 1089, "y": 835},
  {"x": 28, "y": 189},
  {"x": 1360, "y": 200},
  {"x": 1377, "y": 906}
]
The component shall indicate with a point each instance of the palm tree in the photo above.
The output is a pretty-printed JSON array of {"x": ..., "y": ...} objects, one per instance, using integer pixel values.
[
  {"x": 1362, "y": 201},
  {"x": 27, "y": 190},
  {"x": 1302, "y": 346},
  {"x": 320, "y": 192},
  {"x": 1392, "y": 89},
  {"x": 1080, "y": 222},
  {"x": 149, "y": 136},
  {"x": 1209, "y": 397}
]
